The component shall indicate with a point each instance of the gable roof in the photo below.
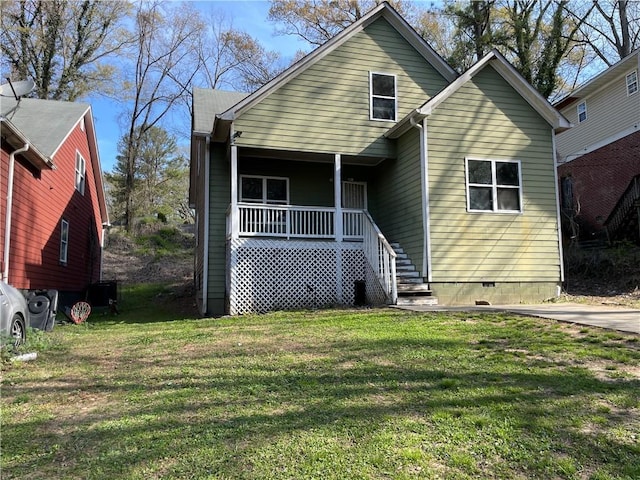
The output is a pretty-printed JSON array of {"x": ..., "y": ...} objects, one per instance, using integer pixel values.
[
  {"x": 384, "y": 10},
  {"x": 45, "y": 125},
  {"x": 601, "y": 80},
  {"x": 506, "y": 71}
]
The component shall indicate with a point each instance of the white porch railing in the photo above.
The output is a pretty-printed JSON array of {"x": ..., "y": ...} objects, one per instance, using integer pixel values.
[
  {"x": 381, "y": 257},
  {"x": 292, "y": 221}
]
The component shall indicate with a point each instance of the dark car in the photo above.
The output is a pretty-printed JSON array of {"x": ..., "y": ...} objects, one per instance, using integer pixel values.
[{"x": 14, "y": 314}]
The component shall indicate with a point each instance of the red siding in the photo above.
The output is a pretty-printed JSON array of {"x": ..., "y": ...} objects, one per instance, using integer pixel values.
[
  {"x": 600, "y": 178},
  {"x": 41, "y": 200}
]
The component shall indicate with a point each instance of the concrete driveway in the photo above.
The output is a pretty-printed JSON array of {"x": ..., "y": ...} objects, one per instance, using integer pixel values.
[{"x": 618, "y": 318}]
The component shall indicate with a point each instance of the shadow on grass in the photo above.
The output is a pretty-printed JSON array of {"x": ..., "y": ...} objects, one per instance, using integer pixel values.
[{"x": 227, "y": 402}]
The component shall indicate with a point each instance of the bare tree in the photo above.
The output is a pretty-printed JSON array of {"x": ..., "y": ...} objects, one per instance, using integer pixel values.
[
  {"x": 62, "y": 45},
  {"x": 234, "y": 59},
  {"x": 162, "y": 76},
  {"x": 611, "y": 28},
  {"x": 316, "y": 21}
]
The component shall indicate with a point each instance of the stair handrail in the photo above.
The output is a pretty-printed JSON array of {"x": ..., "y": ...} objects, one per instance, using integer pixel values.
[
  {"x": 382, "y": 257},
  {"x": 623, "y": 206}
]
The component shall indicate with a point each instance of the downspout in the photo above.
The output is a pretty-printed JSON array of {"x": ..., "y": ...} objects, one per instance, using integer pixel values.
[
  {"x": 205, "y": 228},
  {"x": 7, "y": 225},
  {"x": 424, "y": 178},
  {"x": 559, "y": 220}
]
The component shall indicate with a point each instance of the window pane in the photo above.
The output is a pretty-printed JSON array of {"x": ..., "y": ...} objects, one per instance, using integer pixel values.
[
  {"x": 480, "y": 198},
  {"x": 507, "y": 173},
  {"x": 508, "y": 199},
  {"x": 252, "y": 188},
  {"x": 383, "y": 85},
  {"x": 384, "y": 109},
  {"x": 276, "y": 190},
  {"x": 480, "y": 172}
]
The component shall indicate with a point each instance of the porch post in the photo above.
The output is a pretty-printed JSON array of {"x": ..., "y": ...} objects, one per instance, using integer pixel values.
[
  {"x": 235, "y": 212},
  {"x": 337, "y": 189}
]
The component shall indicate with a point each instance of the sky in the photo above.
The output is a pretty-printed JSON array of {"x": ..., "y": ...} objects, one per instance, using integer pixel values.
[{"x": 247, "y": 15}]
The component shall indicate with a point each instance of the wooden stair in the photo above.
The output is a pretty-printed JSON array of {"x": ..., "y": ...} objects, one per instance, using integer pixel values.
[{"x": 412, "y": 290}]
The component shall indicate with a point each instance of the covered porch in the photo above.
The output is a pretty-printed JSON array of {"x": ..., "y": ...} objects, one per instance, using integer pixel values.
[{"x": 325, "y": 250}]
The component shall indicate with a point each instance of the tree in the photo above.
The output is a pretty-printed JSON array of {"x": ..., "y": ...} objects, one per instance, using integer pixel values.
[
  {"x": 473, "y": 36},
  {"x": 61, "y": 44},
  {"x": 162, "y": 77},
  {"x": 229, "y": 57},
  {"x": 317, "y": 21},
  {"x": 160, "y": 180},
  {"x": 611, "y": 29}
]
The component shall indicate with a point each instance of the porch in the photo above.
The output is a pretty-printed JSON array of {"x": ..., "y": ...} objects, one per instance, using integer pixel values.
[{"x": 284, "y": 257}]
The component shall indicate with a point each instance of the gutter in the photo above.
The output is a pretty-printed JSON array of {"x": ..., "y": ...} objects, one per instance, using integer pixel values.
[
  {"x": 205, "y": 228},
  {"x": 7, "y": 226}
]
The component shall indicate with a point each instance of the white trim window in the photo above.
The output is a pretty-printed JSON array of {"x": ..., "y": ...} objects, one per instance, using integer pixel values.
[
  {"x": 383, "y": 96},
  {"x": 80, "y": 173},
  {"x": 493, "y": 185},
  {"x": 64, "y": 241},
  {"x": 582, "y": 111},
  {"x": 632, "y": 83},
  {"x": 268, "y": 190}
]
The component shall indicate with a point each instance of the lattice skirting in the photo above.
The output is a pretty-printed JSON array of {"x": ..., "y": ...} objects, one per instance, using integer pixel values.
[{"x": 266, "y": 275}]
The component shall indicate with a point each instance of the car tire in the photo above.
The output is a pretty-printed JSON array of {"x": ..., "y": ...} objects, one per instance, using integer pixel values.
[{"x": 18, "y": 330}]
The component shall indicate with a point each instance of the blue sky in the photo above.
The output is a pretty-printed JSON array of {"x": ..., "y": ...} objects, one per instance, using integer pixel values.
[{"x": 247, "y": 15}]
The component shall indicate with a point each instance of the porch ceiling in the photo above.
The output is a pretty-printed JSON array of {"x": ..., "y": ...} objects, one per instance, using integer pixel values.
[{"x": 307, "y": 156}]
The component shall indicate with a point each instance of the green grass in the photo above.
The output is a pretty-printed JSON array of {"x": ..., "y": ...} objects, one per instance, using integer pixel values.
[{"x": 343, "y": 394}]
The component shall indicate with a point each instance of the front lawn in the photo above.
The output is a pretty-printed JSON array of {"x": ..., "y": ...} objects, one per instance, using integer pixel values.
[{"x": 369, "y": 394}]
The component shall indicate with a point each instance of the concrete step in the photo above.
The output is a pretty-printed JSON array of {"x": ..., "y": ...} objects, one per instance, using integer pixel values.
[
  {"x": 421, "y": 300},
  {"x": 413, "y": 289}
]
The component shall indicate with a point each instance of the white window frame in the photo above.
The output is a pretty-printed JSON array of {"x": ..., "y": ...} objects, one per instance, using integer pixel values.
[
  {"x": 632, "y": 83},
  {"x": 81, "y": 172},
  {"x": 581, "y": 111},
  {"x": 494, "y": 185},
  {"x": 394, "y": 98},
  {"x": 264, "y": 200},
  {"x": 64, "y": 241}
]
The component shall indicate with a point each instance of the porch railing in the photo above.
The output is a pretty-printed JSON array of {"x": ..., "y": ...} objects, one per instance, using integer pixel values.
[
  {"x": 381, "y": 257},
  {"x": 292, "y": 221}
]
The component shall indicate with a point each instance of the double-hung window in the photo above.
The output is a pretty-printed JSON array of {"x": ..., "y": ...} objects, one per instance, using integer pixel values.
[
  {"x": 494, "y": 186},
  {"x": 258, "y": 189},
  {"x": 384, "y": 100},
  {"x": 80, "y": 173},
  {"x": 64, "y": 241},
  {"x": 632, "y": 82},
  {"x": 582, "y": 111}
]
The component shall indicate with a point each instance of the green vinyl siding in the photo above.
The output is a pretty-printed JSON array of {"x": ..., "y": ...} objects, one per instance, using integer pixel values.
[
  {"x": 219, "y": 200},
  {"x": 396, "y": 197},
  {"x": 326, "y": 107},
  {"x": 487, "y": 119}
]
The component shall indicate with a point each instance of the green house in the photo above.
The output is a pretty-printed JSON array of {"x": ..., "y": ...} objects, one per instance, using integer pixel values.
[{"x": 371, "y": 172}]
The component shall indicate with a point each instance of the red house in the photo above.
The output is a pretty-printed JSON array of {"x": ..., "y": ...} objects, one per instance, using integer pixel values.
[{"x": 52, "y": 202}]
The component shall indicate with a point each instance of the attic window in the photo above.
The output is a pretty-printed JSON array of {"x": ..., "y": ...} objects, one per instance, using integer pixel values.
[
  {"x": 384, "y": 101},
  {"x": 582, "y": 112},
  {"x": 632, "y": 83}
]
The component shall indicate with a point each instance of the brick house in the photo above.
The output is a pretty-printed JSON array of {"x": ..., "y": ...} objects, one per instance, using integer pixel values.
[{"x": 599, "y": 158}]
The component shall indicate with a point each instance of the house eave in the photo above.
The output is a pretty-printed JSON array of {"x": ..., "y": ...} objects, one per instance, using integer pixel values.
[{"x": 14, "y": 137}]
